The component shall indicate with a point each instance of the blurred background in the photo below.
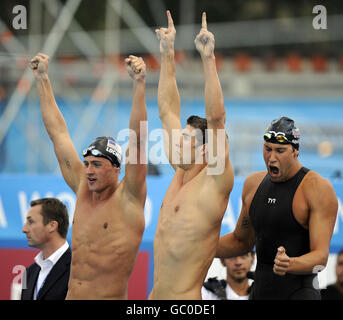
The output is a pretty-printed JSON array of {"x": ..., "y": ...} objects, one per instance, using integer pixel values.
[{"x": 271, "y": 58}]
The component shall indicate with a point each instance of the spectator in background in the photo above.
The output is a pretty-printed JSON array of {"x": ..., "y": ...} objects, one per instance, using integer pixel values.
[
  {"x": 335, "y": 291},
  {"x": 236, "y": 286},
  {"x": 46, "y": 228}
]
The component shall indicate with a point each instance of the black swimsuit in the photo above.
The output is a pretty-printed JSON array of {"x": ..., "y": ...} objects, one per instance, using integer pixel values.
[{"x": 275, "y": 225}]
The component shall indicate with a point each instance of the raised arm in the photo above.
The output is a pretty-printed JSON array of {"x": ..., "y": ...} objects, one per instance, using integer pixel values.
[
  {"x": 136, "y": 167},
  {"x": 68, "y": 159},
  {"x": 168, "y": 94},
  {"x": 219, "y": 165}
]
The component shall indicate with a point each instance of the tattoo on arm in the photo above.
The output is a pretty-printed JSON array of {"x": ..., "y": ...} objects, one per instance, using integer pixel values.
[
  {"x": 67, "y": 162},
  {"x": 245, "y": 223}
]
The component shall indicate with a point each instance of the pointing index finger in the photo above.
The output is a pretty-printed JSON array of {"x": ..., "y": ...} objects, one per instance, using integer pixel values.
[
  {"x": 170, "y": 20},
  {"x": 204, "y": 22}
]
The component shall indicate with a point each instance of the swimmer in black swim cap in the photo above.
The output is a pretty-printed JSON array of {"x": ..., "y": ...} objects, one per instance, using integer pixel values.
[
  {"x": 105, "y": 147},
  {"x": 288, "y": 213},
  {"x": 283, "y": 131},
  {"x": 109, "y": 214}
]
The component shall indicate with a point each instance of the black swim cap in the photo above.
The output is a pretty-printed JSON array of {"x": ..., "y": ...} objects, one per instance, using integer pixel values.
[
  {"x": 283, "y": 131},
  {"x": 105, "y": 147}
]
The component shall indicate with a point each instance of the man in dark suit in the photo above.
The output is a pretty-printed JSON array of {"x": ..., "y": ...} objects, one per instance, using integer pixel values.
[{"x": 46, "y": 228}]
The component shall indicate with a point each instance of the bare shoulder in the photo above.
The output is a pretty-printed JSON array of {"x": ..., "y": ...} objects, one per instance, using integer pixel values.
[
  {"x": 320, "y": 195},
  {"x": 221, "y": 175},
  {"x": 313, "y": 181},
  {"x": 251, "y": 183},
  {"x": 253, "y": 180},
  {"x": 316, "y": 187}
]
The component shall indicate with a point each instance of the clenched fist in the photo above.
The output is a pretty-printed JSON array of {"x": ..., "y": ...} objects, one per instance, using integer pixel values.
[
  {"x": 204, "y": 41},
  {"x": 39, "y": 65},
  {"x": 135, "y": 66}
]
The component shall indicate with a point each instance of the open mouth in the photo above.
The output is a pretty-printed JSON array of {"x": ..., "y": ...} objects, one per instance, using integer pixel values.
[
  {"x": 91, "y": 180},
  {"x": 273, "y": 171}
]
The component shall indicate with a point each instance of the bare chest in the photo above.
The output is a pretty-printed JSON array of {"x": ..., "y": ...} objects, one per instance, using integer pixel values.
[
  {"x": 186, "y": 209},
  {"x": 179, "y": 197},
  {"x": 95, "y": 222}
]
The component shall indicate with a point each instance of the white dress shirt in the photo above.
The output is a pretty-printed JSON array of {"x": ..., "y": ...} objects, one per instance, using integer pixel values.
[
  {"x": 230, "y": 294},
  {"x": 46, "y": 266}
]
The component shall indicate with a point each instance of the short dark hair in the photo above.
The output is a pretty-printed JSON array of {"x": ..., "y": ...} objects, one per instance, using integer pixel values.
[
  {"x": 54, "y": 210},
  {"x": 199, "y": 123}
]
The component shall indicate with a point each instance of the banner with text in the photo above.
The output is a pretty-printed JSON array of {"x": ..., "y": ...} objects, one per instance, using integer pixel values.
[{"x": 16, "y": 192}]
